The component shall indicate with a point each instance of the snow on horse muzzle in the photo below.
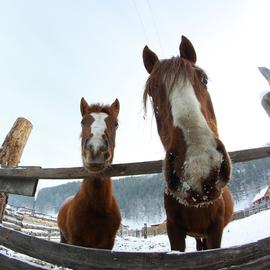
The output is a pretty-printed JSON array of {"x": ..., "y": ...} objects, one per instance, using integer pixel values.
[{"x": 199, "y": 179}]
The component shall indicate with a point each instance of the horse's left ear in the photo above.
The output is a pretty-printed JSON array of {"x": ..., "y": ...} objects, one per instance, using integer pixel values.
[
  {"x": 187, "y": 50},
  {"x": 149, "y": 59},
  {"x": 84, "y": 106},
  {"x": 115, "y": 107}
]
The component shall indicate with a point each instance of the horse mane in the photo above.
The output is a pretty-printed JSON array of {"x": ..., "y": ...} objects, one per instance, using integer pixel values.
[
  {"x": 98, "y": 108},
  {"x": 168, "y": 72}
]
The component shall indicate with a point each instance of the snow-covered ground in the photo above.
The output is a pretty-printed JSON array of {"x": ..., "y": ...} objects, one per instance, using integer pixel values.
[{"x": 238, "y": 232}]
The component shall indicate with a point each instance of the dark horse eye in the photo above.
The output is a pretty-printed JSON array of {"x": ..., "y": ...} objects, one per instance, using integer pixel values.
[
  {"x": 204, "y": 80},
  {"x": 83, "y": 122}
]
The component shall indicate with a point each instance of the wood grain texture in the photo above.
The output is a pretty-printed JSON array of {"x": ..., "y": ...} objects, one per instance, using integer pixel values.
[
  {"x": 20, "y": 186},
  {"x": 10, "y": 155},
  {"x": 14, "y": 143},
  {"x": 10, "y": 263}
]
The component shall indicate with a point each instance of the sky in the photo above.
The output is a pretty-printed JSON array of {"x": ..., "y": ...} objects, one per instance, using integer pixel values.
[{"x": 52, "y": 53}]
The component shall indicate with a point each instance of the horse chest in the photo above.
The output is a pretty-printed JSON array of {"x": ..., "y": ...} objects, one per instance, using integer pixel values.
[{"x": 194, "y": 221}]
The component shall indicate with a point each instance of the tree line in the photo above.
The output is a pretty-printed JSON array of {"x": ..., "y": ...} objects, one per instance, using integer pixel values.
[{"x": 141, "y": 197}]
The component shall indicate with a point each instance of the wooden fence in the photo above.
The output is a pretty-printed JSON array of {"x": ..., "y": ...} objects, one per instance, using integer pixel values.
[
  {"x": 44, "y": 226},
  {"x": 251, "y": 256},
  {"x": 12, "y": 178},
  {"x": 252, "y": 210},
  {"x": 31, "y": 223}
]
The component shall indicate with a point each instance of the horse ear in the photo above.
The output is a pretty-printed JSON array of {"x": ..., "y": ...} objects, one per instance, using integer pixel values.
[
  {"x": 149, "y": 59},
  {"x": 187, "y": 50},
  {"x": 84, "y": 106},
  {"x": 115, "y": 107}
]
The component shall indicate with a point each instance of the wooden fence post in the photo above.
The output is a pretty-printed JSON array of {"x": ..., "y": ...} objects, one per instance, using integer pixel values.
[
  {"x": 145, "y": 231},
  {"x": 49, "y": 234},
  {"x": 11, "y": 151}
]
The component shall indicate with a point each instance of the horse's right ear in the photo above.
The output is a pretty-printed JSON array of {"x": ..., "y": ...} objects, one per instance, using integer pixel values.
[
  {"x": 84, "y": 106},
  {"x": 115, "y": 107},
  {"x": 149, "y": 59},
  {"x": 187, "y": 50}
]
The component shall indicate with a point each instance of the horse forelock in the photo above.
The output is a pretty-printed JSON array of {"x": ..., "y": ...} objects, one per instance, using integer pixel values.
[
  {"x": 167, "y": 73},
  {"x": 98, "y": 108}
]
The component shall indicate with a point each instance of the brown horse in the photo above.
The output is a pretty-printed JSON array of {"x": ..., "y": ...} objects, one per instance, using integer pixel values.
[
  {"x": 92, "y": 217},
  {"x": 197, "y": 166}
]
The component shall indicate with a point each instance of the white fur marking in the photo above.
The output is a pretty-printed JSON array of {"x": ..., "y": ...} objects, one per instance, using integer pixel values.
[
  {"x": 201, "y": 156},
  {"x": 97, "y": 129}
]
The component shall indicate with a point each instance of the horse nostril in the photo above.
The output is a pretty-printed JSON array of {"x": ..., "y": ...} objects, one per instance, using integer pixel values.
[
  {"x": 104, "y": 149},
  {"x": 89, "y": 147},
  {"x": 225, "y": 166}
]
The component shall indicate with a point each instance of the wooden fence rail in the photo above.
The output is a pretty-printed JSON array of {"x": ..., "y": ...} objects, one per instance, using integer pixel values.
[
  {"x": 124, "y": 169},
  {"x": 11, "y": 263},
  {"x": 253, "y": 256},
  {"x": 11, "y": 178},
  {"x": 40, "y": 227}
]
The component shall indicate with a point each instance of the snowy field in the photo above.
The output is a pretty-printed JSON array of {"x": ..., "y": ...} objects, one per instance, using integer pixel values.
[{"x": 238, "y": 232}]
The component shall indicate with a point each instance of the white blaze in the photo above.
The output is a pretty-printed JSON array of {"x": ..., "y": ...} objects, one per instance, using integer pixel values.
[
  {"x": 201, "y": 155},
  {"x": 97, "y": 129}
]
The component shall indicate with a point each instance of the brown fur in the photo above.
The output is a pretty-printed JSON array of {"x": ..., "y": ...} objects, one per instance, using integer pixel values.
[
  {"x": 92, "y": 217},
  {"x": 198, "y": 217}
]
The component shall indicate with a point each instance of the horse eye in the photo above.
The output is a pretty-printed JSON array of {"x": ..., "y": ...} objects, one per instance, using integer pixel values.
[{"x": 116, "y": 124}]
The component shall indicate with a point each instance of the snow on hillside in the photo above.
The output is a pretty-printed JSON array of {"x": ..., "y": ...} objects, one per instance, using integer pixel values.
[{"x": 238, "y": 232}]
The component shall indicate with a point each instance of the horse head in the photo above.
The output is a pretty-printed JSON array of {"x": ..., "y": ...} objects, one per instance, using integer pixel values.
[
  {"x": 99, "y": 125},
  {"x": 197, "y": 165}
]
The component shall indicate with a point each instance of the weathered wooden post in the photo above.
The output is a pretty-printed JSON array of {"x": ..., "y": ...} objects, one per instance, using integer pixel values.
[
  {"x": 145, "y": 231},
  {"x": 121, "y": 231},
  {"x": 49, "y": 234},
  {"x": 266, "y": 98},
  {"x": 11, "y": 151}
]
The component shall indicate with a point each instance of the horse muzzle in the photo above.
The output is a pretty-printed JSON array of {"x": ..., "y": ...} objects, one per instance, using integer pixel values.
[
  {"x": 96, "y": 160},
  {"x": 198, "y": 179}
]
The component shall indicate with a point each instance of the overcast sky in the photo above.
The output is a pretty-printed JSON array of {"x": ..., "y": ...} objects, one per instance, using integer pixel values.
[{"x": 52, "y": 53}]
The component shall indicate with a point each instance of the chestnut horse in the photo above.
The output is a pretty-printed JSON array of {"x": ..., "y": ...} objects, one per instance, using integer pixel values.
[
  {"x": 92, "y": 217},
  {"x": 197, "y": 166}
]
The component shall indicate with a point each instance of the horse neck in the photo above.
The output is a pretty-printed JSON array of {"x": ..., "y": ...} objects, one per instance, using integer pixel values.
[{"x": 96, "y": 192}]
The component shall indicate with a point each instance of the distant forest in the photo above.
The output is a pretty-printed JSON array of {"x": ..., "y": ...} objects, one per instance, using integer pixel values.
[{"x": 141, "y": 197}]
